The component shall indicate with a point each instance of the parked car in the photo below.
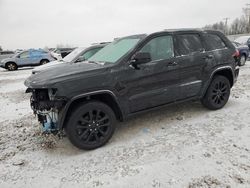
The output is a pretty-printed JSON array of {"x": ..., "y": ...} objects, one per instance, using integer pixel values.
[
  {"x": 26, "y": 58},
  {"x": 60, "y": 53},
  {"x": 245, "y": 40},
  {"x": 77, "y": 55},
  {"x": 6, "y": 54},
  {"x": 132, "y": 75},
  {"x": 244, "y": 52}
]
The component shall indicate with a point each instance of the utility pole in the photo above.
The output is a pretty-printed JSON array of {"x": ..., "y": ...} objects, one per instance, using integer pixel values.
[
  {"x": 226, "y": 28},
  {"x": 247, "y": 11}
]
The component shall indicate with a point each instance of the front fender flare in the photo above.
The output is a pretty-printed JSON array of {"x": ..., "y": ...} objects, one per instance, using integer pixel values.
[{"x": 64, "y": 112}]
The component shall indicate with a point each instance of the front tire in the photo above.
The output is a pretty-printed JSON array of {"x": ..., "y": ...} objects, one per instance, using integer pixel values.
[
  {"x": 91, "y": 125},
  {"x": 217, "y": 93},
  {"x": 11, "y": 66}
]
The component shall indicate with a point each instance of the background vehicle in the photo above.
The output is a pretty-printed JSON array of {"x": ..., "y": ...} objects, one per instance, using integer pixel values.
[
  {"x": 6, "y": 54},
  {"x": 244, "y": 52},
  {"x": 245, "y": 40},
  {"x": 60, "y": 53},
  {"x": 26, "y": 58},
  {"x": 77, "y": 55},
  {"x": 132, "y": 75}
]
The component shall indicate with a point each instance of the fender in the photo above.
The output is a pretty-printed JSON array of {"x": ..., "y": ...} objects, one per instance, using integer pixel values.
[
  {"x": 214, "y": 72},
  {"x": 63, "y": 113}
]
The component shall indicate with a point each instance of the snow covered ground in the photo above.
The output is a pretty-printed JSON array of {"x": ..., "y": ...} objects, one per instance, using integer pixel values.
[{"x": 184, "y": 145}]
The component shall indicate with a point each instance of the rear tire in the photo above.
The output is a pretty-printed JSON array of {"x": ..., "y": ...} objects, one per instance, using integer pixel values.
[
  {"x": 43, "y": 62},
  {"x": 217, "y": 93},
  {"x": 243, "y": 59},
  {"x": 11, "y": 66},
  {"x": 91, "y": 125}
]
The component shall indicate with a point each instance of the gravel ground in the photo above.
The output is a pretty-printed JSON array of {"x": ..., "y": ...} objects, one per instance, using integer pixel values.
[{"x": 184, "y": 145}]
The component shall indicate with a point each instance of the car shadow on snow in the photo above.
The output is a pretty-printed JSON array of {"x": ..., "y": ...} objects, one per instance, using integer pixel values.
[
  {"x": 142, "y": 124},
  {"x": 129, "y": 130}
]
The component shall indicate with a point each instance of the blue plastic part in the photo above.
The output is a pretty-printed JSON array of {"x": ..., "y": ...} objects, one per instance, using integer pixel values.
[{"x": 49, "y": 127}]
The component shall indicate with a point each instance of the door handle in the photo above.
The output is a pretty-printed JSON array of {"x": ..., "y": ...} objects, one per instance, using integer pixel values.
[
  {"x": 172, "y": 64},
  {"x": 208, "y": 57}
]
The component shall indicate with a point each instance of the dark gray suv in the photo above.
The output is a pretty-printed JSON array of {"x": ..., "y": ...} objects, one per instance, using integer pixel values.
[{"x": 132, "y": 75}]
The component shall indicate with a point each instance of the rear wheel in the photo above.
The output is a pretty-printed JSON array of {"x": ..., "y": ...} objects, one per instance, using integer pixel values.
[
  {"x": 217, "y": 93},
  {"x": 43, "y": 62},
  {"x": 91, "y": 125},
  {"x": 243, "y": 60},
  {"x": 11, "y": 66}
]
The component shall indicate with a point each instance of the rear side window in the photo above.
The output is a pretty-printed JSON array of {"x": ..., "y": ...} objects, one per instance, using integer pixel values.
[
  {"x": 188, "y": 44},
  {"x": 214, "y": 42}
]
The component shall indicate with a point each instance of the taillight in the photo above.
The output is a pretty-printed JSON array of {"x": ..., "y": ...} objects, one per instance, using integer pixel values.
[{"x": 236, "y": 53}]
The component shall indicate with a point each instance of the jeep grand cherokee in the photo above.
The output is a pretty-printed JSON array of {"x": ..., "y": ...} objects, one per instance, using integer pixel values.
[{"x": 131, "y": 75}]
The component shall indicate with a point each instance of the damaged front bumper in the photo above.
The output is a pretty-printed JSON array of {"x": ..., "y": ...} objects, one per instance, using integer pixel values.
[{"x": 47, "y": 108}]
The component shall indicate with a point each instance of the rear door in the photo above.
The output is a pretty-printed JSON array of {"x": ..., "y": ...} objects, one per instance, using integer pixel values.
[
  {"x": 36, "y": 56},
  {"x": 192, "y": 60}
]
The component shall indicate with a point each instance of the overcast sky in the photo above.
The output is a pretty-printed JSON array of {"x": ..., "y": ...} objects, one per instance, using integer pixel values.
[{"x": 40, "y": 23}]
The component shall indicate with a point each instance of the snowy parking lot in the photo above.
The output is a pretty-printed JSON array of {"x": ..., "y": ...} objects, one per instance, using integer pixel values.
[{"x": 183, "y": 145}]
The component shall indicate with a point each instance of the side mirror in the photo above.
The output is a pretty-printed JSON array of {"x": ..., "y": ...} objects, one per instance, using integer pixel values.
[
  {"x": 18, "y": 56},
  {"x": 140, "y": 58}
]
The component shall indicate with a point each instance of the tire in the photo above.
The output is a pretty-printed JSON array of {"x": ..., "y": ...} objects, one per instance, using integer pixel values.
[
  {"x": 11, "y": 66},
  {"x": 91, "y": 125},
  {"x": 217, "y": 93},
  {"x": 43, "y": 62},
  {"x": 242, "y": 60}
]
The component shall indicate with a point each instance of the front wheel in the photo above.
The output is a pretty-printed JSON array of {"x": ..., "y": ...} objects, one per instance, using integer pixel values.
[
  {"x": 11, "y": 66},
  {"x": 217, "y": 93},
  {"x": 91, "y": 125}
]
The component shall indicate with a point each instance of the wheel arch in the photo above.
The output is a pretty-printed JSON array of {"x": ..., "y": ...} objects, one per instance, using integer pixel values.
[
  {"x": 223, "y": 71},
  {"x": 106, "y": 97},
  {"x": 44, "y": 59},
  {"x": 9, "y": 63}
]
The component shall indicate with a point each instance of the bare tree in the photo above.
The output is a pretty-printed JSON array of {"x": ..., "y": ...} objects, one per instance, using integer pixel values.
[{"x": 239, "y": 25}]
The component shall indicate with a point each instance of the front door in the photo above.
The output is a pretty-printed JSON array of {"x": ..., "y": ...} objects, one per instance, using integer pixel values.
[
  {"x": 23, "y": 59},
  {"x": 156, "y": 82}
]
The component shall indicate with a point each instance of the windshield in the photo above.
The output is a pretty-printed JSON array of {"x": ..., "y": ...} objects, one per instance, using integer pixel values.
[
  {"x": 114, "y": 51},
  {"x": 73, "y": 55}
]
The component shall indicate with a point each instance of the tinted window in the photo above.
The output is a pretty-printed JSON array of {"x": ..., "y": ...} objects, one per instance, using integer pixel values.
[
  {"x": 160, "y": 48},
  {"x": 214, "y": 42},
  {"x": 188, "y": 44}
]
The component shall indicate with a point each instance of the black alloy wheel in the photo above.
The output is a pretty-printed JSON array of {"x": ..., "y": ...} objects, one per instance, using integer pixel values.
[
  {"x": 217, "y": 93},
  {"x": 91, "y": 125}
]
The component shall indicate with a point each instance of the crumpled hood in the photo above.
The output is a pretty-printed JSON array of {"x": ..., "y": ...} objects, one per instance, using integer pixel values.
[{"x": 62, "y": 73}]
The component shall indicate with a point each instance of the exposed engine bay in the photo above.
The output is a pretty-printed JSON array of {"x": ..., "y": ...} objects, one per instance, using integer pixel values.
[{"x": 46, "y": 107}]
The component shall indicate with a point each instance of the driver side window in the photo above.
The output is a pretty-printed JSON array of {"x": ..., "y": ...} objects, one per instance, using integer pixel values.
[
  {"x": 24, "y": 55},
  {"x": 160, "y": 48}
]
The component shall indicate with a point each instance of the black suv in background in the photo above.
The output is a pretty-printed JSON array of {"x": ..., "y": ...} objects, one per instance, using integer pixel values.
[{"x": 131, "y": 75}]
